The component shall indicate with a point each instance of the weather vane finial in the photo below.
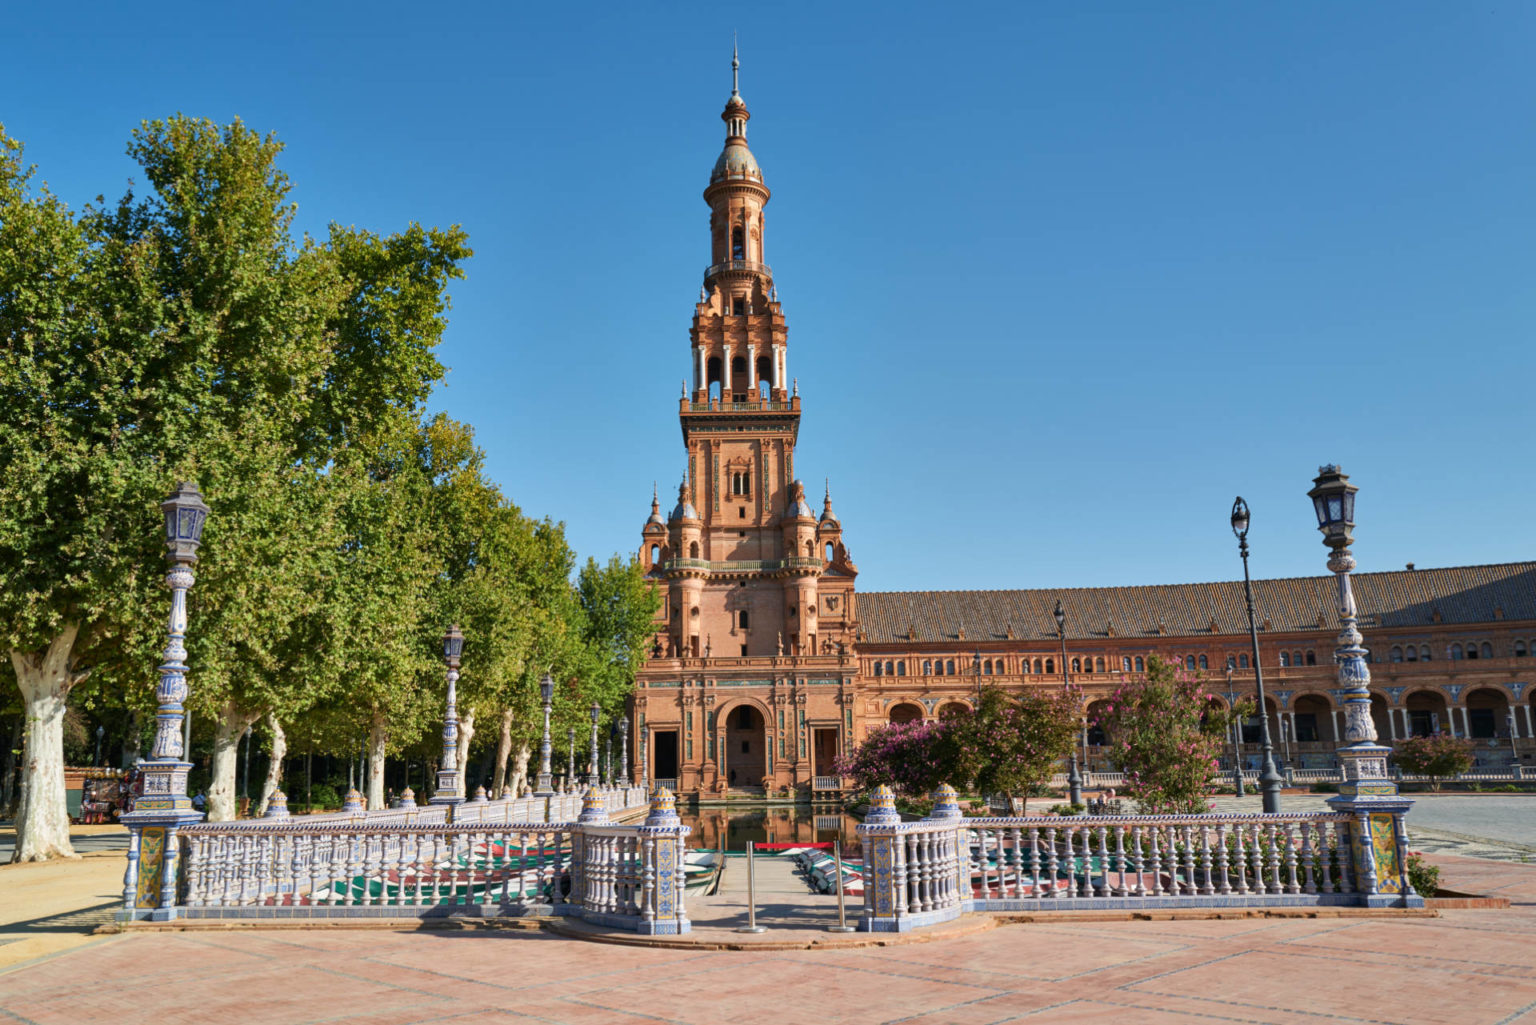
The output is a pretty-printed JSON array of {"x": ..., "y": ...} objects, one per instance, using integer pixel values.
[{"x": 735, "y": 67}]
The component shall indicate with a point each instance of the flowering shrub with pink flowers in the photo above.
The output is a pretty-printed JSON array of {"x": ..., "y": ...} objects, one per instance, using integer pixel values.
[
  {"x": 1165, "y": 733},
  {"x": 1010, "y": 744},
  {"x": 904, "y": 755},
  {"x": 1437, "y": 756}
]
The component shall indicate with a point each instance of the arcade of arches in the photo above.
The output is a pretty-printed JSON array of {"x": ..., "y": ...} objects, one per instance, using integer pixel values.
[{"x": 761, "y": 619}]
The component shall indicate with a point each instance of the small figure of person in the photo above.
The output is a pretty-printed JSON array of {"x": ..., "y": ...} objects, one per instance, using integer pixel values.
[{"x": 199, "y": 801}]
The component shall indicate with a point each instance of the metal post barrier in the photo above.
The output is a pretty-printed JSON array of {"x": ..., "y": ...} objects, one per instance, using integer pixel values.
[
  {"x": 842, "y": 914},
  {"x": 751, "y": 925}
]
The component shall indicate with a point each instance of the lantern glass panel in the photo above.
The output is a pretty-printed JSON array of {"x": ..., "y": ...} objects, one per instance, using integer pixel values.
[
  {"x": 1335, "y": 509},
  {"x": 1349, "y": 507},
  {"x": 1322, "y": 511}
]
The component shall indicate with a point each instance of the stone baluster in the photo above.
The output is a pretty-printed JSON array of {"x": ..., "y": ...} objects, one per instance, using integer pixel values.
[
  {"x": 1347, "y": 883},
  {"x": 1240, "y": 857},
  {"x": 1050, "y": 859},
  {"x": 1292, "y": 885},
  {"x": 1120, "y": 887},
  {"x": 1204, "y": 833},
  {"x": 1256, "y": 856},
  {"x": 1154, "y": 838},
  {"x": 1221, "y": 859},
  {"x": 1325, "y": 844}
]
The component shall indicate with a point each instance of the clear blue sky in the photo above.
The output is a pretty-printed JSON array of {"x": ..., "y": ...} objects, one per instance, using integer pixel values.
[{"x": 1061, "y": 279}]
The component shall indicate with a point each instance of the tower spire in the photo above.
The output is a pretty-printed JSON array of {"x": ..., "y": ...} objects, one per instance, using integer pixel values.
[{"x": 735, "y": 68}]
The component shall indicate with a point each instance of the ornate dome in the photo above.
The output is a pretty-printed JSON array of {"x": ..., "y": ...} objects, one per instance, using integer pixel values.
[
  {"x": 736, "y": 161},
  {"x": 685, "y": 509}
]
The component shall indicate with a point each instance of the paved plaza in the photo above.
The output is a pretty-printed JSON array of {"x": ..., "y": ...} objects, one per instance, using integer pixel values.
[{"x": 1463, "y": 967}]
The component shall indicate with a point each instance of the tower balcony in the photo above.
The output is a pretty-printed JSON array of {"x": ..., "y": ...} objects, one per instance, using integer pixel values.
[
  {"x": 748, "y": 406},
  {"x": 742, "y": 567},
  {"x": 738, "y": 269}
]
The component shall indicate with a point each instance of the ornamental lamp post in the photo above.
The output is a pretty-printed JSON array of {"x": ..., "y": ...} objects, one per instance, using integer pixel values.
[
  {"x": 1333, "y": 500},
  {"x": 245, "y": 775},
  {"x": 1074, "y": 778},
  {"x": 1270, "y": 779},
  {"x": 608, "y": 754},
  {"x": 1366, "y": 792},
  {"x": 1515, "y": 752},
  {"x": 546, "y": 781},
  {"x": 627, "y": 776},
  {"x": 165, "y": 807},
  {"x": 592, "y": 777},
  {"x": 1237, "y": 736},
  {"x": 450, "y": 788},
  {"x": 645, "y": 756}
]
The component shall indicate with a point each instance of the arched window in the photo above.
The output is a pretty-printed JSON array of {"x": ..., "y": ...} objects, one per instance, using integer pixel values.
[
  {"x": 1423, "y": 653},
  {"x": 949, "y": 667},
  {"x": 890, "y": 668},
  {"x": 901, "y": 668},
  {"x": 1125, "y": 664},
  {"x": 738, "y": 244},
  {"x": 1098, "y": 665},
  {"x": 1519, "y": 649},
  {"x": 1141, "y": 664},
  {"x": 1038, "y": 666},
  {"x": 1411, "y": 654},
  {"x": 1472, "y": 650},
  {"x": 1311, "y": 658},
  {"x": 744, "y": 619},
  {"x": 1487, "y": 650},
  {"x": 927, "y": 667},
  {"x": 656, "y": 557},
  {"x": 879, "y": 668},
  {"x": 829, "y": 551},
  {"x": 1050, "y": 665},
  {"x": 693, "y": 549},
  {"x": 1295, "y": 658},
  {"x": 1189, "y": 662},
  {"x": 1397, "y": 653},
  {"x": 1242, "y": 661},
  {"x": 1204, "y": 663},
  {"x": 1285, "y": 658},
  {"x": 1455, "y": 652},
  {"x": 986, "y": 667},
  {"x": 1077, "y": 665}
]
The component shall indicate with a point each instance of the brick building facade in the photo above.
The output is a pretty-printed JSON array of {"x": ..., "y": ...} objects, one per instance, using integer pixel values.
[{"x": 766, "y": 663}]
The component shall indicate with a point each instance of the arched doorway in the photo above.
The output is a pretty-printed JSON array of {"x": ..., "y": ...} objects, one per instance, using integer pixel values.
[
  {"x": 905, "y": 712},
  {"x": 1487, "y": 714},
  {"x": 1313, "y": 735},
  {"x": 1381, "y": 718},
  {"x": 1427, "y": 714},
  {"x": 746, "y": 747},
  {"x": 951, "y": 708}
]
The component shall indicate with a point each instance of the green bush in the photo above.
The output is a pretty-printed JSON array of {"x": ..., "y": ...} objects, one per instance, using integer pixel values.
[
  {"x": 1424, "y": 878},
  {"x": 1325, "y": 788},
  {"x": 323, "y": 795}
]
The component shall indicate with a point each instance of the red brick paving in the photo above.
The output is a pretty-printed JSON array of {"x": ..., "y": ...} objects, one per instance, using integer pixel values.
[{"x": 1464, "y": 968}]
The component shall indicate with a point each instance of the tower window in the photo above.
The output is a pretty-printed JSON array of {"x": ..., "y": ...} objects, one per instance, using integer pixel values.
[
  {"x": 738, "y": 244},
  {"x": 739, "y": 307},
  {"x": 744, "y": 619}
]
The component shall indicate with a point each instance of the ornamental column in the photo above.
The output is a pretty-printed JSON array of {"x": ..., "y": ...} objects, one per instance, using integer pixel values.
[
  {"x": 1367, "y": 794},
  {"x": 150, "y": 883}
]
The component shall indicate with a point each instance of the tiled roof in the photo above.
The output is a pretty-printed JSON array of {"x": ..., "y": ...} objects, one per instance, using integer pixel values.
[{"x": 1401, "y": 598}]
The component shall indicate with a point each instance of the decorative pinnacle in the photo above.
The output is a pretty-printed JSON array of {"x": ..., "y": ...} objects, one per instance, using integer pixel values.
[{"x": 735, "y": 68}]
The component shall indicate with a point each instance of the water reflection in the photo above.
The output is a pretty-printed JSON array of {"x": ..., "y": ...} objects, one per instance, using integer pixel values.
[{"x": 734, "y": 827}]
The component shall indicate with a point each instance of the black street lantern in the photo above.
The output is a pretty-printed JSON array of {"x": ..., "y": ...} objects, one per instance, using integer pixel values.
[
  {"x": 1333, "y": 499},
  {"x": 1074, "y": 778},
  {"x": 185, "y": 514},
  {"x": 547, "y": 689},
  {"x": 453, "y": 645},
  {"x": 1270, "y": 779}
]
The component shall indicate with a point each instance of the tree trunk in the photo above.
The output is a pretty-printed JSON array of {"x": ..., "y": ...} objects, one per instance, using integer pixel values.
[
  {"x": 45, "y": 679},
  {"x": 466, "y": 735},
  {"x": 377, "y": 737},
  {"x": 503, "y": 751},
  {"x": 274, "y": 763},
  {"x": 226, "y": 749},
  {"x": 520, "y": 767},
  {"x": 132, "y": 740}
]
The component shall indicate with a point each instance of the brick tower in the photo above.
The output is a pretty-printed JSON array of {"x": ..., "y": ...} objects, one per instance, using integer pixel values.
[{"x": 753, "y": 647}]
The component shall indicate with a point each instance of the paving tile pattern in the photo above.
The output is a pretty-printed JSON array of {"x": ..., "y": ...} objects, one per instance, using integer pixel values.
[{"x": 1465, "y": 968}]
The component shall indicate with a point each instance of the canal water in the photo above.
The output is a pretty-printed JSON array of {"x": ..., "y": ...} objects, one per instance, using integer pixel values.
[{"x": 732, "y": 828}]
